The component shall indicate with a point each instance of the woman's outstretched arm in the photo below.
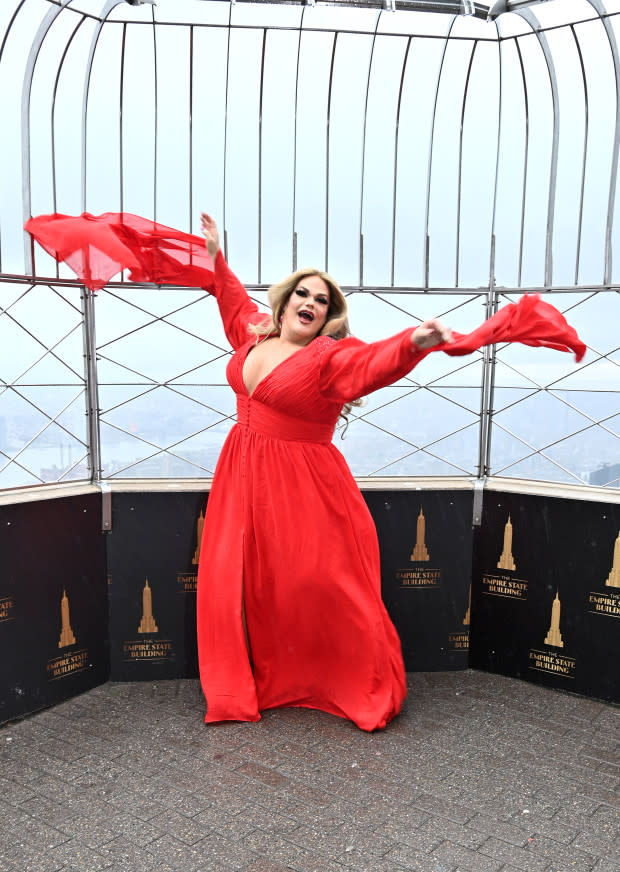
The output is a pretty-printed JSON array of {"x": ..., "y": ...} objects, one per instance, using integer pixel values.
[
  {"x": 236, "y": 308},
  {"x": 351, "y": 368}
]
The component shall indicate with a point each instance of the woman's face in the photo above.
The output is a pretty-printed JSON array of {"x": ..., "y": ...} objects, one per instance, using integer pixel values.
[{"x": 305, "y": 312}]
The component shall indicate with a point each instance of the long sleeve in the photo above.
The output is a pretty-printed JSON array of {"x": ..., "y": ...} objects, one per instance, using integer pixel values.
[
  {"x": 350, "y": 368},
  {"x": 237, "y": 310}
]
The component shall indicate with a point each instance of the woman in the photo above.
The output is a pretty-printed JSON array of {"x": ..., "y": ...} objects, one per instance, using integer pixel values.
[
  {"x": 289, "y": 595},
  {"x": 289, "y": 605}
]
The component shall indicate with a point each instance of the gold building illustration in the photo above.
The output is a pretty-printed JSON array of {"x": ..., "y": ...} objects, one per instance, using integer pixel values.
[
  {"x": 506, "y": 561},
  {"x": 420, "y": 551},
  {"x": 467, "y": 618},
  {"x": 147, "y": 624},
  {"x": 554, "y": 637},
  {"x": 614, "y": 576},
  {"x": 66, "y": 633},
  {"x": 199, "y": 526}
]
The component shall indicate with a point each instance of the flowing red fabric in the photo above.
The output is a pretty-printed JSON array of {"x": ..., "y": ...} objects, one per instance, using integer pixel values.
[
  {"x": 97, "y": 247},
  {"x": 531, "y": 321}
]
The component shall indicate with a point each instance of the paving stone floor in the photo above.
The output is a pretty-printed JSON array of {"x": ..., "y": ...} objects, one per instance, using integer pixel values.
[{"x": 480, "y": 773}]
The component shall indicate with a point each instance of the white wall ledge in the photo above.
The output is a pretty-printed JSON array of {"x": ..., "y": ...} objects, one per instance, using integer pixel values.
[{"x": 201, "y": 485}]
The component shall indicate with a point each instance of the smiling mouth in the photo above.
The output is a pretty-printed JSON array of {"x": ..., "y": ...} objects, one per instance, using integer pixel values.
[{"x": 306, "y": 317}]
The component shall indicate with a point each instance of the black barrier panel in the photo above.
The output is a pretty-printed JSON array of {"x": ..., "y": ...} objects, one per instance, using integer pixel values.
[
  {"x": 425, "y": 540},
  {"x": 152, "y": 571},
  {"x": 53, "y": 602},
  {"x": 546, "y": 592}
]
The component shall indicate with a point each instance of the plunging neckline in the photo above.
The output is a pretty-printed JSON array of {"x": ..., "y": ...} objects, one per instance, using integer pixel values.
[{"x": 271, "y": 371}]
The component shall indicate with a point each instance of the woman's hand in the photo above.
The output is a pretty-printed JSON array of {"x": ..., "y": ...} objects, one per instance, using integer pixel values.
[
  {"x": 431, "y": 333},
  {"x": 211, "y": 234}
]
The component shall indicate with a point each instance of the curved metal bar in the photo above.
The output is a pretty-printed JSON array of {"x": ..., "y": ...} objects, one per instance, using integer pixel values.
[
  {"x": 585, "y": 154},
  {"x": 224, "y": 161},
  {"x": 156, "y": 114},
  {"x": 6, "y": 36},
  {"x": 364, "y": 127},
  {"x": 460, "y": 169},
  {"x": 121, "y": 94},
  {"x": 10, "y": 25},
  {"x": 526, "y": 158},
  {"x": 497, "y": 153},
  {"x": 396, "y": 133},
  {"x": 430, "y": 153},
  {"x": 260, "y": 154},
  {"x": 108, "y": 6},
  {"x": 487, "y": 387},
  {"x": 553, "y": 170},
  {"x": 53, "y": 118},
  {"x": 611, "y": 204},
  {"x": 294, "y": 216},
  {"x": 39, "y": 38},
  {"x": 327, "y": 132},
  {"x": 88, "y": 312},
  {"x": 191, "y": 129}
]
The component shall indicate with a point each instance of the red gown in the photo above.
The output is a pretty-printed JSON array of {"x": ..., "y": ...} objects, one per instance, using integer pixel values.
[{"x": 288, "y": 537}]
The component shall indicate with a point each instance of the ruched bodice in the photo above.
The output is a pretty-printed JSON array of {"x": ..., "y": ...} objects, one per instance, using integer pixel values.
[{"x": 268, "y": 421}]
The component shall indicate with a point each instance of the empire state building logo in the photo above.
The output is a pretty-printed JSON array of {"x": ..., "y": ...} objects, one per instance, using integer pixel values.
[
  {"x": 613, "y": 579},
  {"x": 67, "y": 663},
  {"x": 420, "y": 551},
  {"x": 506, "y": 561},
  {"x": 554, "y": 637},
  {"x": 607, "y": 601},
  {"x": 149, "y": 647},
  {"x": 553, "y": 662},
  {"x": 199, "y": 528},
  {"x": 66, "y": 633},
  {"x": 147, "y": 624},
  {"x": 419, "y": 577}
]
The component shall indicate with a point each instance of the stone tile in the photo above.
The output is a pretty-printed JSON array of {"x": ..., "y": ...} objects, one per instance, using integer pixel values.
[
  {"x": 78, "y": 857},
  {"x": 568, "y": 858},
  {"x": 606, "y": 821},
  {"x": 185, "y": 829},
  {"x": 606, "y": 866},
  {"x": 521, "y": 858},
  {"x": 256, "y": 818},
  {"x": 436, "y": 830},
  {"x": 409, "y": 858},
  {"x": 177, "y": 855},
  {"x": 124, "y": 854},
  {"x": 515, "y": 834},
  {"x": 464, "y": 858},
  {"x": 342, "y": 840},
  {"x": 297, "y": 790},
  {"x": 265, "y": 866},
  {"x": 288, "y": 854},
  {"x": 263, "y": 773},
  {"x": 598, "y": 845},
  {"x": 451, "y": 810},
  {"x": 34, "y": 834}
]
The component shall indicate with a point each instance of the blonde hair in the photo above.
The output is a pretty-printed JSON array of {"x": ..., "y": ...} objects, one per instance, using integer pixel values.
[{"x": 336, "y": 324}]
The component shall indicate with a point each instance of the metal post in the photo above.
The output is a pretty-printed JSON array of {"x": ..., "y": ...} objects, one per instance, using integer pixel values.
[{"x": 92, "y": 389}]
